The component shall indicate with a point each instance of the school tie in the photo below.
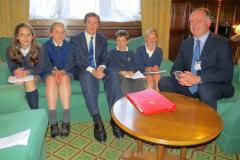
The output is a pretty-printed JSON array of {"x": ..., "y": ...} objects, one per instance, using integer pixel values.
[
  {"x": 195, "y": 59},
  {"x": 91, "y": 54}
]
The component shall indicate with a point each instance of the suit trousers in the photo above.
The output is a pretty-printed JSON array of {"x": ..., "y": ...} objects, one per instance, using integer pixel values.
[
  {"x": 112, "y": 88},
  {"x": 90, "y": 90},
  {"x": 207, "y": 92}
]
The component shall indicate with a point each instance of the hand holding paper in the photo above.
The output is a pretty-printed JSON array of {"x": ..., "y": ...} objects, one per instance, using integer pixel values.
[
  {"x": 13, "y": 79},
  {"x": 136, "y": 75}
]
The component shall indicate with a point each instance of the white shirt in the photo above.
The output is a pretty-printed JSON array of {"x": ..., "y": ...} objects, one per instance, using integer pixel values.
[
  {"x": 88, "y": 39},
  {"x": 55, "y": 44},
  {"x": 126, "y": 49},
  {"x": 150, "y": 53},
  {"x": 202, "y": 39},
  {"x": 25, "y": 51}
]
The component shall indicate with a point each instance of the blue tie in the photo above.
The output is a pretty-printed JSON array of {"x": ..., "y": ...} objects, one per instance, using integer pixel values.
[
  {"x": 195, "y": 59},
  {"x": 91, "y": 54}
]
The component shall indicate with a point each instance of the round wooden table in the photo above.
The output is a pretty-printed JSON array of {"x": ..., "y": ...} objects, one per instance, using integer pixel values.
[{"x": 192, "y": 123}]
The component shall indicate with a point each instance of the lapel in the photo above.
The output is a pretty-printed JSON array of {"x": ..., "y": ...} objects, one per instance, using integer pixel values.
[
  {"x": 190, "y": 50},
  {"x": 97, "y": 45},
  {"x": 83, "y": 43},
  {"x": 206, "y": 47}
]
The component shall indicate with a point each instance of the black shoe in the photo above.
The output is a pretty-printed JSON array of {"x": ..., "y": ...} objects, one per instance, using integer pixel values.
[
  {"x": 118, "y": 132},
  {"x": 65, "y": 129},
  {"x": 99, "y": 132},
  {"x": 54, "y": 130}
]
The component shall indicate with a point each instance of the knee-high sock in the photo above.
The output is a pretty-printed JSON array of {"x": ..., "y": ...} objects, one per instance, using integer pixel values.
[
  {"x": 66, "y": 115},
  {"x": 52, "y": 117},
  {"x": 32, "y": 99}
]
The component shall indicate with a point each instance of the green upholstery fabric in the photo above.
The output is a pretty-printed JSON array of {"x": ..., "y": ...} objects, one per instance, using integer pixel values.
[
  {"x": 16, "y": 116},
  {"x": 36, "y": 121},
  {"x": 4, "y": 42},
  {"x": 4, "y": 73},
  {"x": 228, "y": 108},
  {"x": 12, "y": 98}
]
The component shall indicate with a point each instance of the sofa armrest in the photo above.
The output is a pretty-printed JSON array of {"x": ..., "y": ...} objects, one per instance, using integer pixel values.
[
  {"x": 12, "y": 99},
  {"x": 4, "y": 72},
  {"x": 166, "y": 65}
]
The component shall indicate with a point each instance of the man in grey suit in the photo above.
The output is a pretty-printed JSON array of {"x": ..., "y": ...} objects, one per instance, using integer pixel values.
[
  {"x": 90, "y": 59},
  {"x": 203, "y": 67}
]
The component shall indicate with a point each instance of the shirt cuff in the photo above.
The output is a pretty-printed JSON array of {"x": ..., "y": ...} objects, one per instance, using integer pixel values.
[
  {"x": 90, "y": 69},
  {"x": 200, "y": 80},
  {"x": 103, "y": 66}
]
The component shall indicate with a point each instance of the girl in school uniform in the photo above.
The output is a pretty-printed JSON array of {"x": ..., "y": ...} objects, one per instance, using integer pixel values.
[
  {"x": 149, "y": 58},
  {"x": 58, "y": 72},
  {"x": 122, "y": 60},
  {"x": 24, "y": 57}
]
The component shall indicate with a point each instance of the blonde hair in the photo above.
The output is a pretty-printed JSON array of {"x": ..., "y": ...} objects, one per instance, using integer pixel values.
[
  {"x": 54, "y": 24},
  {"x": 150, "y": 31},
  {"x": 15, "y": 53}
]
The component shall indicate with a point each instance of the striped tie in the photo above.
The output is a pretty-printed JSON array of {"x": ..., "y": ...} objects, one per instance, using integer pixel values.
[{"x": 195, "y": 59}]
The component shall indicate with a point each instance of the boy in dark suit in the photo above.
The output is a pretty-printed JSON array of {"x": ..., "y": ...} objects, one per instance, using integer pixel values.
[
  {"x": 203, "y": 68},
  {"x": 90, "y": 58}
]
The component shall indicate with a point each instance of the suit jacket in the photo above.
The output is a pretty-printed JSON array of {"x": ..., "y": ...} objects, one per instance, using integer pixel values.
[
  {"x": 216, "y": 59},
  {"x": 80, "y": 51}
]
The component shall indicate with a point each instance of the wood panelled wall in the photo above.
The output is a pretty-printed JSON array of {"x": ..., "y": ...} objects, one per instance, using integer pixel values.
[
  {"x": 179, "y": 29},
  {"x": 108, "y": 29},
  {"x": 181, "y": 9}
]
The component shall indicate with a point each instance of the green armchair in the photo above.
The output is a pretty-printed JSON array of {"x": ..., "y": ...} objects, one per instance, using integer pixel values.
[{"x": 15, "y": 116}]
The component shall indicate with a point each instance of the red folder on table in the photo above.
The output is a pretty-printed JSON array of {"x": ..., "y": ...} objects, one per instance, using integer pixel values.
[{"x": 150, "y": 101}]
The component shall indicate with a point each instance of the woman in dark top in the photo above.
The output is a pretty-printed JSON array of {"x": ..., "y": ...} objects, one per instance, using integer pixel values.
[
  {"x": 149, "y": 58},
  {"x": 58, "y": 72},
  {"x": 24, "y": 58}
]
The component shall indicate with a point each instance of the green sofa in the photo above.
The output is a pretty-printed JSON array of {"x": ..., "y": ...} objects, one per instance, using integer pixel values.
[
  {"x": 228, "y": 141},
  {"x": 78, "y": 109},
  {"x": 15, "y": 116}
]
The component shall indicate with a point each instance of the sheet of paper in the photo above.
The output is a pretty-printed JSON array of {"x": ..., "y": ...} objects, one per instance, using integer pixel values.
[
  {"x": 20, "y": 138},
  {"x": 137, "y": 75},
  {"x": 13, "y": 79},
  {"x": 163, "y": 71}
]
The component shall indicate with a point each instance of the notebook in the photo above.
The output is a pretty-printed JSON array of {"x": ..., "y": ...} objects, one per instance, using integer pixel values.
[{"x": 150, "y": 101}]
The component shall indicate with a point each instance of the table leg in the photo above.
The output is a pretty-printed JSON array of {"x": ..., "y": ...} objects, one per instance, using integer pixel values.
[
  {"x": 183, "y": 153},
  {"x": 160, "y": 152},
  {"x": 139, "y": 147}
]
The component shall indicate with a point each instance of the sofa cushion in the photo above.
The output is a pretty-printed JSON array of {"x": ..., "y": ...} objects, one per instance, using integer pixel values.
[
  {"x": 36, "y": 121},
  {"x": 75, "y": 87}
]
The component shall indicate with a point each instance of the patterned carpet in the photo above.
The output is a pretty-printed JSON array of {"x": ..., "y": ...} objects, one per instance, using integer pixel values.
[{"x": 80, "y": 145}]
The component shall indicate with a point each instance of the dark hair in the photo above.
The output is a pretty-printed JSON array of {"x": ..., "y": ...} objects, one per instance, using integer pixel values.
[
  {"x": 91, "y": 14},
  {"x": 122, "y": 33},
  {"x": 205, "y": 10},
  {"x": 15, "y": 53}
]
